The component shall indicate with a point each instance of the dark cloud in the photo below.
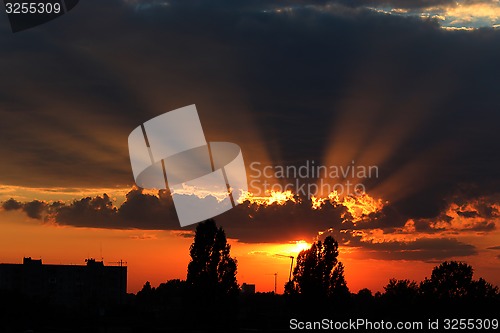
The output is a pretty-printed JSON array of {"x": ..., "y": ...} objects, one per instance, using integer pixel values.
[
  {"x": 251, "y": 223},
  {"x": 34, "y": 209},
  {"x": 139, "y": 211},
  {"x": 11, "y": 204},
  {"x": 406, "y": 4},
  {"x": 468, "y": 214},
  {"x": 421, "y": 249},
  {"x": 291, "y": 73},
  {"x": 275, "y": 223},
  {"x": 263, "y": 4},
  {"x": 247, "y": 222},
  {"x": 483, "y": 226},
  {"x": 143, "y": 237},
  {"x": 185, "y": 234}
]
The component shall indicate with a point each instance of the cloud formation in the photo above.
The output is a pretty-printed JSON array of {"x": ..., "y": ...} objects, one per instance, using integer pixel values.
[{"x": 384, "y": 234}]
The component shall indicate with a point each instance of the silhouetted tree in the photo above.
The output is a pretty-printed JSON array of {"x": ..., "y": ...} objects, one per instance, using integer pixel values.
[
  {"x": 453, "y": 281},
  {"x": 146, "y": 301},
  {"x": 399, "y": 296},
  {"x": 171, "y": 288},
  {"x": 318, "y": 273},
  {"x": 452, "y": 290},
  {"x": 450, "y": 280},
  {"x": 364, "y": 294},
  {"x": 481, "y": 289},
  {"x": 338, "y": 285},
  {"x": 211, "y": 277},
  {"x": 145, "y": 295},
  {"x": 401, "y": 290},
  {"x": 364, "y": 301},
  {"x": 290, "y": 288}
]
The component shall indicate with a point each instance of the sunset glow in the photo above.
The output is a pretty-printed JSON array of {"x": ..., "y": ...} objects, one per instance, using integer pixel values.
[
  {"x": 375, "y": 123},
  {"x": 358, "y": 206},
  {"x": 300, "y": 246},
  {"x": 272, "y": 197}
]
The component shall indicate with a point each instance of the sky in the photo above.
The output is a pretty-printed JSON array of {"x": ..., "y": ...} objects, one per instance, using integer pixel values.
[{"x": 408, "y": 88}]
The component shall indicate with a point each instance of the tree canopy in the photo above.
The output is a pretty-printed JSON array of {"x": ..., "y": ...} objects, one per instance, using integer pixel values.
[
  {"x": 211, "y": 271},
  {"x": 318, "y": 272},
  {"x": 453, "y": 280}
]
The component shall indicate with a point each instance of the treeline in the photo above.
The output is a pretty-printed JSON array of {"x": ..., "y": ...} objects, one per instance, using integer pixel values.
[{"x": 317, "y": 290}]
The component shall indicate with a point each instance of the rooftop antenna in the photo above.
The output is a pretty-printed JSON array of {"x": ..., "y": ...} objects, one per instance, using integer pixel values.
[{"x": 120, "y": 263}]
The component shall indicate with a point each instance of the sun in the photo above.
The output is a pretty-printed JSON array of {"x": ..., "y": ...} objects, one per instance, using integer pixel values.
[
  {"x": 300, "y": 246},
  {"x": 291, "y": 248}
]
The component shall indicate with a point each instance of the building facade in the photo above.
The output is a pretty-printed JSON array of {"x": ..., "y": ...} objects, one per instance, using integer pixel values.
[{"x": 69, "y": 285}]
